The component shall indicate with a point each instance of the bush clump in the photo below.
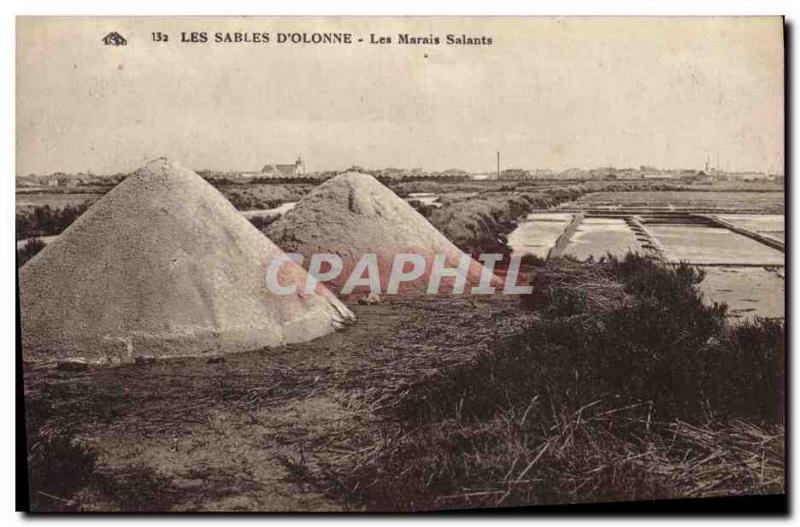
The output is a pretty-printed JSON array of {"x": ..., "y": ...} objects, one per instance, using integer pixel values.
[
  {"x": 59, "y": 463},
  {"x": 481, "y": 223},
  {"x": 29, "y": 250},
  {"x": 46, "y": 220},
  {"x": 625, "y": 330}
]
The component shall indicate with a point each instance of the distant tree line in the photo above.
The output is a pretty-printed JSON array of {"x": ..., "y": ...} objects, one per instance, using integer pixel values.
[{"x": 46, "y": 220}]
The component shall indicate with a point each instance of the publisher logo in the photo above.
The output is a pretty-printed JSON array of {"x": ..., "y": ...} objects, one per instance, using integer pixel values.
[{"x": 114, "y": 39}]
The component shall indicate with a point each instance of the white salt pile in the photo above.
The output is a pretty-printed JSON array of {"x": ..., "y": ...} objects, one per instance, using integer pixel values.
[
  {"x": 163, "y": 265},
  {"x": 353, "y": 214}
]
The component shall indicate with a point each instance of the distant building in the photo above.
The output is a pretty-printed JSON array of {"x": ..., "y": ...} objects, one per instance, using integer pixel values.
[{"x": 279, "y": 171}]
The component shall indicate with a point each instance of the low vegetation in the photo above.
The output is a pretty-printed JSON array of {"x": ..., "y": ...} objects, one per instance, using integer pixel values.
[
  {"x": 58, "y": 462},
  {"x": 624, "y": 386},
  {"x": 480, "y": 223},
  {"x": 46, "y": 220},
  {"x": 32, "y": 224},
  {"x": 29, "y": 250},
  {"x": 256, "y": 196}
]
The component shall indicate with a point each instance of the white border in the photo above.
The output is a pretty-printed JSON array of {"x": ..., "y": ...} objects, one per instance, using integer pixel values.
[{"x": 310, "y": 7}]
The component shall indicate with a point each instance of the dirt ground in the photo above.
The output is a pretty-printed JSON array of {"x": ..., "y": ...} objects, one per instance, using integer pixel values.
[{"x": 227, "y": 433}]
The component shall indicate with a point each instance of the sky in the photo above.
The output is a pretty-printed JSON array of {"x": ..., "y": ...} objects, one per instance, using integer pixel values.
[{"x": 548, "y": 93}]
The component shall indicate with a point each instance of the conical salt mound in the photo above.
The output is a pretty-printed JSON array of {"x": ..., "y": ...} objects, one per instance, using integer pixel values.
[
  {"x": 163, "y": 265},
  {"x": 353, "y": 214}
]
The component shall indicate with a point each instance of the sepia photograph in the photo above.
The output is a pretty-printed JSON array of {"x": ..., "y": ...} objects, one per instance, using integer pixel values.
[{"x": 399, "y": 264}]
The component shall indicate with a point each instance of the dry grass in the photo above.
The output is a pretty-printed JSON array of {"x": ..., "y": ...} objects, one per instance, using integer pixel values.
[
  {"x": 587, "y": 290},
  {"x": 740, "y": 458},
  {"x": 584, "y": 456},
  {"x": 583, "y": 406}
]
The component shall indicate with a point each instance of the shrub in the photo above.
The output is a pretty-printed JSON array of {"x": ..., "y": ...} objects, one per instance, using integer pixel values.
[
  {"x": 624, "y": 331},
  {"x": 481, "y": 223},
  {"x": 46, "y": 221},
  {"x": 59, "y": 464},
  {"x": 247, "y": 201},
  {"x": 29, "y": 250}
]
